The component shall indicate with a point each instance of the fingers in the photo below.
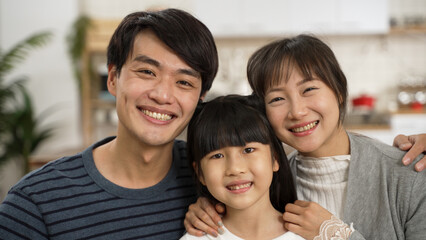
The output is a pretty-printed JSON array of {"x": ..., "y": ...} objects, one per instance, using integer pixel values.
[
  {"x": 420, "y": 166},
  {"x": 198, "y": 225},
  {"x": 191, "y": 229},
  {"x": 415, "y": 151},
  {"x": 402, "y": 142}
]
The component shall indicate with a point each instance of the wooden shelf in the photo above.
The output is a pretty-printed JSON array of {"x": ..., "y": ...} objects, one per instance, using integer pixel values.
[
  {"x": 421, "y": 29},
  {"x": 97, "y": 40}
]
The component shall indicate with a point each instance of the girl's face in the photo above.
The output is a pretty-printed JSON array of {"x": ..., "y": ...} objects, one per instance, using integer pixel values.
[
  {"x": 239, "y": 176},
  {"x": 305, "y": 115}
]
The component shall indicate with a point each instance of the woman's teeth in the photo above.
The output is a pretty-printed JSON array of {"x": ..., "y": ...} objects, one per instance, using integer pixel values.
[
  {"x": 304, "y": 128},
  {"x": 237, "y": 187},
  {"x": 158, "y": 116}
]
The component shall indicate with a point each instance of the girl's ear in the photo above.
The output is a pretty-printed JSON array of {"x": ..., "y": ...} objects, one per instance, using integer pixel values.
[
  {"x": 201, "y": 178},
  {"x": 275, "y": 165}
]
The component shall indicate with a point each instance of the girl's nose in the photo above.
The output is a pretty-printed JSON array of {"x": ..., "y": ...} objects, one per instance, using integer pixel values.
[{"x": 235, "y": 165}]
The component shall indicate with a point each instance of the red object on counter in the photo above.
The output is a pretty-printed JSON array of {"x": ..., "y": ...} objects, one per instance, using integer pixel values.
[
  {"x": 364, "y": 101},
  {"x": 416, "y": 106}
]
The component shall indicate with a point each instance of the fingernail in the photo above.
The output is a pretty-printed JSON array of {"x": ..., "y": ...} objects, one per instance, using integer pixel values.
[
  {"x": 220, "y": 223},
  {"x": 419, "y": 167},
  {"x": 214, "y": 234},
  {"x": 221, "y": 231},
  {"x": 406, "y": 161}
]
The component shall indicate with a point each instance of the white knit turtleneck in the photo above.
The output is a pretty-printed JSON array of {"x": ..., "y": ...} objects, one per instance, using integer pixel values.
[{"x": 323, "y": 180}]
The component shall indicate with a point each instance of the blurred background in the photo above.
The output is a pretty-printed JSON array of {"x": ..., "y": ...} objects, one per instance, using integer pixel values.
[{"x": 53, "y": 65}]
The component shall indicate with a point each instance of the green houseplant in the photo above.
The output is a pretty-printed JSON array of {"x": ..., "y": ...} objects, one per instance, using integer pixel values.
[{"x": 20, "y": 131}]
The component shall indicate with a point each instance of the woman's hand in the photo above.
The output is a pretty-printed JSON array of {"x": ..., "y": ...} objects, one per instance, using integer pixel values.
[
  {"x": 202, "y": 218},
  {"x": 305, "y": 218},
  {"x": 416, "y": 144}
]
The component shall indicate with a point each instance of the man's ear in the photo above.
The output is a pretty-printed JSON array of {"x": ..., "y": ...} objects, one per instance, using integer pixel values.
[
  {"x": 201, "y": 178},
  {"x": 112, "y": 80}
]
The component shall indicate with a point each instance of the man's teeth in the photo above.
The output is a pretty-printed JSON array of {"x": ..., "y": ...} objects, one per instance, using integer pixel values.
[
  {"x": 158, "y": 116},
  {"x": 305, "y": 128},
  {"x": 236, "y": 187}
]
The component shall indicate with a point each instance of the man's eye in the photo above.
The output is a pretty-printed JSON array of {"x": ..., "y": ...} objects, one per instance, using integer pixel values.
[
  {"x": 148, "y": 72},
  {"x": 248, "y": 150},
  {"x": 185, "y": 83}
]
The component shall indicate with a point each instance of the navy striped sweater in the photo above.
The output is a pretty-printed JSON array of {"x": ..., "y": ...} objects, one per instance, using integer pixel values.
[{"x": 69, "y": 199}]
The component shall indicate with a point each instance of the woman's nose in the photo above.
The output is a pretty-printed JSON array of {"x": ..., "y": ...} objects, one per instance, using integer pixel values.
[{"x": 298, "y": 109}]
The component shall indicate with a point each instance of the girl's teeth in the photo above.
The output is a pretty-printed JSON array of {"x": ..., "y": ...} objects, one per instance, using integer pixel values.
[
  {"x": 305, "y": 128},
  {"x": 236, "y": 187},
  {"x": 158, "y": 116}
]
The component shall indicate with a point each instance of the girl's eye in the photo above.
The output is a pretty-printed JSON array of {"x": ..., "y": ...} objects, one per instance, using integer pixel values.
[
  {"x": 276, "y": 99},
  {"x": 248, "y": 150},
  {"x": 217, "y": 155}
]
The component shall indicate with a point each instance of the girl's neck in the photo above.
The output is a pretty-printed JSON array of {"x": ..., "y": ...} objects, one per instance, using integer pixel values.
[{"x": 255, "y": 222}]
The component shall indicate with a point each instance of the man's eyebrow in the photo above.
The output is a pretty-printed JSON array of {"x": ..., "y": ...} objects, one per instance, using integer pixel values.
[
  {"x": 189, "y": 72},
  {"x": 146, "y": 59}
]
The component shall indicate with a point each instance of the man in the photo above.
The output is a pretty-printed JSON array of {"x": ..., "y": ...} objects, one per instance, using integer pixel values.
[{"x": 135, "y": 185}]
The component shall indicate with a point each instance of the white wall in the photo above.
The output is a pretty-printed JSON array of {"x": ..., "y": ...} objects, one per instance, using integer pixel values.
[
  {"x": 51, "y": 83},
  {"x": 50, "y": 80}
]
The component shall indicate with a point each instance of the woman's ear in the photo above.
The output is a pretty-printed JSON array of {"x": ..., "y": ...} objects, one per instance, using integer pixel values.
[
  {"x": 112, "y": 80},
  {"x": 201, "y": 178}
]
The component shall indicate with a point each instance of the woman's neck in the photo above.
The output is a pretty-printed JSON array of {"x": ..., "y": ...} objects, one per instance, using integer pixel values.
[
  {"x": 337, "y": 144},
  {"x": 255, "y": 222}
]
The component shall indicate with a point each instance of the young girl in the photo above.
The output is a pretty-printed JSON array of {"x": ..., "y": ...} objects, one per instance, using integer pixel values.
[
  {"x": 239, "y": 162},
  {"x": 342, "y": 177}
]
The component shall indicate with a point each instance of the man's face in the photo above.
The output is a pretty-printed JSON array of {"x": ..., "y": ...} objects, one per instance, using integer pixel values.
[{"x": 156, "y": 92}]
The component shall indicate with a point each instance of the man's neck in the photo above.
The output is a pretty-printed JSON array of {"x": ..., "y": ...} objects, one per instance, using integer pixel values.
[{"x": 132, "y": 164}]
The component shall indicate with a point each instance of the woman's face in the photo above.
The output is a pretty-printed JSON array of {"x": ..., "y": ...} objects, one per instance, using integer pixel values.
[{"x": 305, "y": 115}]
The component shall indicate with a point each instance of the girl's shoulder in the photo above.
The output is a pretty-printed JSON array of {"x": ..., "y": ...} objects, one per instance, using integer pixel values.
[{"x": 289, "y": 236}]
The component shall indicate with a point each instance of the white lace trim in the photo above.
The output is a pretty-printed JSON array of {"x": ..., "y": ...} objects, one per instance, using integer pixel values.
[{"x": 334, "y": 229}]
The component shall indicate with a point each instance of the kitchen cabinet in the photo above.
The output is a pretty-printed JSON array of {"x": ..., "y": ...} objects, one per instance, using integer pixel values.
[{"x": 248, "y": 18}]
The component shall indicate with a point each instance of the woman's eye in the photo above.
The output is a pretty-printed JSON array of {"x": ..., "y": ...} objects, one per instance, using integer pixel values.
[
  {"x": 248, "y": 150},
  {"x": 276, "y": 99},
  {"x": 309, "y": 89}
]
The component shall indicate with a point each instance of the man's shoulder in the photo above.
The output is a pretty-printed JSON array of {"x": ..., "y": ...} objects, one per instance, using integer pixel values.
[{"x": 62, "y": 168}]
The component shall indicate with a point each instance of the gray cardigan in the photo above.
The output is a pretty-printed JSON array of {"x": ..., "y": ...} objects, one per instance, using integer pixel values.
[{"x": 385, "y": 200}]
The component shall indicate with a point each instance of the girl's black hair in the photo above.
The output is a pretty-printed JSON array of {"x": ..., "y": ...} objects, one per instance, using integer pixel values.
[{"x": 235, "y": 120}]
